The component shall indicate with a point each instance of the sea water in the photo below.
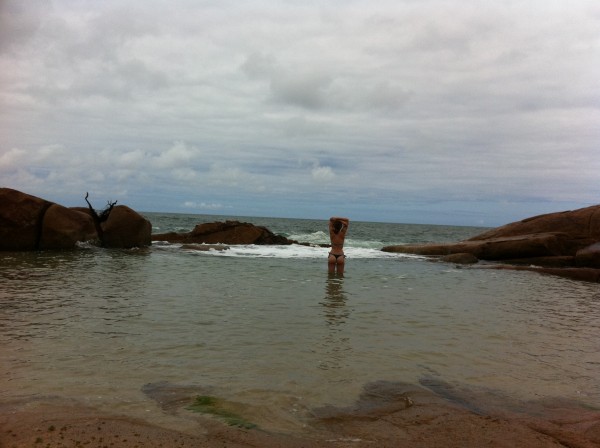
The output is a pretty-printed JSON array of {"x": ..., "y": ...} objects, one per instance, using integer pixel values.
[{"x": 267, "y": 328}]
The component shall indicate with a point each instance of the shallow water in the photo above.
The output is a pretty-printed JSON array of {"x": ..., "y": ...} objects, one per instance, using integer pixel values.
[{"x": 269, "y": 330}]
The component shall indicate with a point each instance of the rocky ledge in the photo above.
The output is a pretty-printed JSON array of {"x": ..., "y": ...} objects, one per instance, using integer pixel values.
[
  {"x": 563, "y": 243},
  {"x": 30, "y": 223},
  {"x": 228, "y": 232}
]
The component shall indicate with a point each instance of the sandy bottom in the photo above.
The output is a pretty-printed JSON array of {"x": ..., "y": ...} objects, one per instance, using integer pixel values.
[{"x": 385, "y": 415}]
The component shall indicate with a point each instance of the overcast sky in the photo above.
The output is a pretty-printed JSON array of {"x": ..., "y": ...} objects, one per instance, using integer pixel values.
[{"x": 418, "y": 111}]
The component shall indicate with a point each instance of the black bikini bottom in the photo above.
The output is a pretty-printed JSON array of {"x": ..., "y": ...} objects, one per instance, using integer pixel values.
[{"x": 337, "y": 255}]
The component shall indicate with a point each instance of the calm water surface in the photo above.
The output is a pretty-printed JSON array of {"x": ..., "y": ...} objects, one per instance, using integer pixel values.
[{"x": 269, "y": 329}]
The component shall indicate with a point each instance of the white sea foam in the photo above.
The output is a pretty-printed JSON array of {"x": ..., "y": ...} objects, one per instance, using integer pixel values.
[
  {"x": 318, "y": 237},
  {"x": 295, "y": 251}
]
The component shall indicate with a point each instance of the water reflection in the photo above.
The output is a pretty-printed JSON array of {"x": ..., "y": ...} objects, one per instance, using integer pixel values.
[
  {"x": 336, "y": 312},
  {"x": 46, "y": 295}
]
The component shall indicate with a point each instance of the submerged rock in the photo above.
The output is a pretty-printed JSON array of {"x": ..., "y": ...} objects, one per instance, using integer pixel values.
[{"x": 460, "y": 258}]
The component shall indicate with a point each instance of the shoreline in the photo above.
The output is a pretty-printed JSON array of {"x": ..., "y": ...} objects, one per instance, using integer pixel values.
[{"x": 385, "y": 415}]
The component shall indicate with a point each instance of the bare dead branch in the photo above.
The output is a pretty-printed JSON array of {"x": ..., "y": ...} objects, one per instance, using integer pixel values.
[{"x": 101, "y": 217}]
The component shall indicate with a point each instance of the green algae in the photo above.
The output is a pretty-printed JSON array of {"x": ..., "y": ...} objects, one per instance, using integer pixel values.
[{"x": 206, "y": 404}]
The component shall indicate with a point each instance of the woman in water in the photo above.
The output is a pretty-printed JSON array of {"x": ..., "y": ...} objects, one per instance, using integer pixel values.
[{"x": 337, "y": 233}]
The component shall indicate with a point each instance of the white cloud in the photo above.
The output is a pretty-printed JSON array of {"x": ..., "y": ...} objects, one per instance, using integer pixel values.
[
  {"x": 177, "y": 156},
  {"x": 131, "y": 159},
  {"x": 322, "y": 174},
  {"x": 204, "y": 205},
  {"x": 11, "y": 159}
]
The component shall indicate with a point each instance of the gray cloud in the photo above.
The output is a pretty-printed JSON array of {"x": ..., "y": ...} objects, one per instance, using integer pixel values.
[{"x": 389, "y": 106}]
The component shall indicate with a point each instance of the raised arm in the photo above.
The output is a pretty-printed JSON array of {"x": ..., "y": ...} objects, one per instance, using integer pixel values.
[{"x": 346, "y": 221}]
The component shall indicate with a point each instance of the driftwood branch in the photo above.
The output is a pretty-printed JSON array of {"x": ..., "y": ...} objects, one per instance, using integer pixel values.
[
  {"x": 104, "y": 214},
  {"x": 101, "y": 217},
  {"x": 93, "y": 212}
]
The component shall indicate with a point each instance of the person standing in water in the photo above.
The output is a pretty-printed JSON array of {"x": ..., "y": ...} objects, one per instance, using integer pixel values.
[{"x": 337, "y": 233}]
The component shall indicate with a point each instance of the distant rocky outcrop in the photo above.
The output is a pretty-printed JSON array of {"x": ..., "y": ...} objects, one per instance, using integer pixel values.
[
  {"x": 568, "y": 240},
  {"x": 30, "y": 223},
  {"x": 228, "y": 232}
]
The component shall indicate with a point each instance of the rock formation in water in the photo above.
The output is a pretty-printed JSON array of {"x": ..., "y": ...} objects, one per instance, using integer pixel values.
[
  {"x": 569, "y": 239},
  {"x": 228, "y": 232},
  {"x": 31, "y": 223}
]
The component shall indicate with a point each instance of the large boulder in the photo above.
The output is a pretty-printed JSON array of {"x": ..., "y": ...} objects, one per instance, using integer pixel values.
[
  {"x": 21, "y": 217},
  {"x": 228, "y": 232},
  {"x": 563, "y": 238},
  {"x": 63, "y": 228},
  {"x": 31, "y": 223},
  {"x": 581, "y": 227},
  {"x": 125, "y": 228}
]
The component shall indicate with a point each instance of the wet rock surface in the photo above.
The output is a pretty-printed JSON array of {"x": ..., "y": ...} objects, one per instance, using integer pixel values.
[
  {"x": 564, "y": 243},
  {"x": 227, "y": 232}
]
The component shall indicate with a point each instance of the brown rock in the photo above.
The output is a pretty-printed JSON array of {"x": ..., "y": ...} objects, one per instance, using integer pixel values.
[
  {"x": 550, "y": 262},
  {"x": 566, "y": 244},
  {"x": 582, "y": 226},
  {"x": 589, "y": 256},
  {"x": 228, "y": 232},
  {"x": 31, "y": 223},
  {"x": 460, "y": 258},
  {"x": 125, "y": 228},
  {"x": 501, "y": 248},
  {"x": 21, "y": 217},
  {"x": 63, "y": 228},
  {"x": 551, "y": 235}
]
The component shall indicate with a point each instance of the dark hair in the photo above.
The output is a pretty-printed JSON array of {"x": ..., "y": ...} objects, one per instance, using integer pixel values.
[{"x": 337, "y": 226}]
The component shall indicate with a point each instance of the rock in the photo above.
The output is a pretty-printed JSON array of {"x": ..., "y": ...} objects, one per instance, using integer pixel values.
[
  {"x": 582, "y": 226},
  {"x": 21, "y": 217},
  {"x": 460, "y": 258},
  {"x": 501, "y": 248},
  {"x": 550, "y": 262},
  {"x": 125, "y": 228},
  {"x": 564, "y": 243},
  {"x": 588, "y": 256},
  {"x": 31, "y": 223},
  {"x": 63, "y": 228},
  {"x": 228, "y": 232},
  {"x": 552, "y": 235}
]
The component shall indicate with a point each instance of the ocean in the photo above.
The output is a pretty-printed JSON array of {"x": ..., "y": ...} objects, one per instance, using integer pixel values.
[{"x": 269, "y": 331}]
